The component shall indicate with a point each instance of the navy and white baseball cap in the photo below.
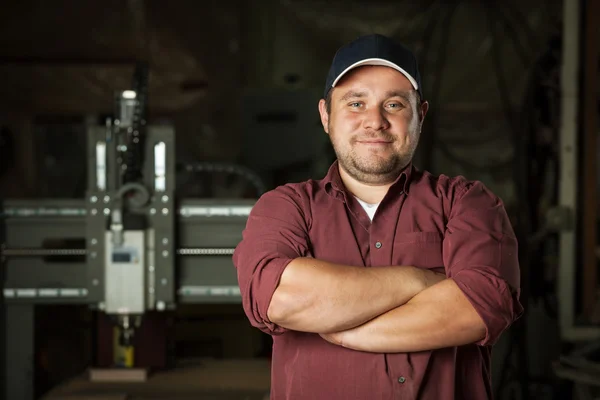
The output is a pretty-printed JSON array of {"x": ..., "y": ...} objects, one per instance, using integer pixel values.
[{"x": 374, "y": 49}]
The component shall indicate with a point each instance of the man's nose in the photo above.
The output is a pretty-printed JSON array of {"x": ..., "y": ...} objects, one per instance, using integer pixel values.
[{"x": 375, "y": 119}]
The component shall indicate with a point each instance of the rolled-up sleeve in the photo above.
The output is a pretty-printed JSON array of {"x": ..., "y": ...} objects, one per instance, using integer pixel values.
[
  {"x": 481, "y": 255},
  {"x": 276, "y": 233}
]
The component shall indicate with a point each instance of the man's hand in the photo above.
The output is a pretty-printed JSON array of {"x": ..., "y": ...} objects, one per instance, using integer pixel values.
[{"x": 336, "y": 338}]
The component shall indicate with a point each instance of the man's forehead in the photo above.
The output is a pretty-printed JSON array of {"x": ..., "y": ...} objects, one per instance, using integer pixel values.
[{"x": 359, "y": 93}]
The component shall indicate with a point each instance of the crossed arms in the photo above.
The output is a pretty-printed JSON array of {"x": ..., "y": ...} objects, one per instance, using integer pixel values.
[{"x": 381, "y": 309}]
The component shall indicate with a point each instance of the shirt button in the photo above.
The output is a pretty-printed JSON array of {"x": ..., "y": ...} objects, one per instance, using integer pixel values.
[
  {"x": 378, "y": 245},
  {"x": 402, "y": 379}
]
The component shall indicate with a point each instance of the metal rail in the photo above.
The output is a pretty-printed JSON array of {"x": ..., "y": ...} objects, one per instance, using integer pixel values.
[{"x": 40, "y": 252}]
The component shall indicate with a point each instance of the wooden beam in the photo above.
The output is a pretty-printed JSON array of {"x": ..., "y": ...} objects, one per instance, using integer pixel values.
[{"x": 589, "y": 177}]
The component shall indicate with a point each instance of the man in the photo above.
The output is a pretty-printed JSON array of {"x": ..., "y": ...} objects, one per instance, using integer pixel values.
[{"x": 379, "y": 281}]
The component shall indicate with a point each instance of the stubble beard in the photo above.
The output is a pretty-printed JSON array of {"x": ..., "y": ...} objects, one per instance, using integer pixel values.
[{"x": 373, "y": 169}]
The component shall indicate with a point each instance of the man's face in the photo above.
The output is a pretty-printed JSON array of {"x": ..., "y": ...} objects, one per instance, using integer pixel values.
[{"x": 374, "y": 123}]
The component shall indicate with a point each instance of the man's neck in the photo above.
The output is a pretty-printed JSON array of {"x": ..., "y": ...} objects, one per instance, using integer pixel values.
[{"x": 372, "y": 194}]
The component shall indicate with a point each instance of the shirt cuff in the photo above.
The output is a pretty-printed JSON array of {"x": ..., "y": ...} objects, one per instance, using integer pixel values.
[
  {"x": 260, "y": 292},
  {"x": 494, "y": 300}
]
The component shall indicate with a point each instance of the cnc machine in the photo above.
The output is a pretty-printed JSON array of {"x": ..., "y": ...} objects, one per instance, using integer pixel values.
[{"x": 127, "y": 248}]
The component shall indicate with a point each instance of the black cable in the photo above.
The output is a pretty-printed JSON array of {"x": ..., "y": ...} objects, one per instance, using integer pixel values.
[
  {"x": 521, "y": 21},
  {"x": 518, "y": 45},
  {"x": 133, "y": 157}
]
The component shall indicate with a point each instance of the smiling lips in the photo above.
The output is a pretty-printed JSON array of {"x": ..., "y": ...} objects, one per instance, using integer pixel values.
[{"x": 374, "y": 142}]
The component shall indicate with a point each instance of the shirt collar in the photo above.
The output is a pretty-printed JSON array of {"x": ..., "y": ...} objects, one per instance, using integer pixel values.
[{"x": 334, "y": 186}]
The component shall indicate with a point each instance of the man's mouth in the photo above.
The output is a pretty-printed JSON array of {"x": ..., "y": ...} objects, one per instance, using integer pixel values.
[{"x": 374, "y": 141}]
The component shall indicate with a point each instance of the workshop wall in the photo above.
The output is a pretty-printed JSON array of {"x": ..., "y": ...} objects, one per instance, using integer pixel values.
[{"x": 205, "y": 56}]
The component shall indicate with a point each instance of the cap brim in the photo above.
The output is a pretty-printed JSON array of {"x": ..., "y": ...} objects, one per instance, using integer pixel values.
[{"x": 381, "y": 62}]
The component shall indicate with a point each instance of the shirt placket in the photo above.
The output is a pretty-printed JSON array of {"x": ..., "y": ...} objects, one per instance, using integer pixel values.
[
  {"x": 402, "y": 376},
  {"x": 380, "y": 236},
  {"x": 382, "y": 232}
]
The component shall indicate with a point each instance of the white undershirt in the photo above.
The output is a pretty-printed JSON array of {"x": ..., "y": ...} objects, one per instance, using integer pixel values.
[{"x": 368, "y": 207}]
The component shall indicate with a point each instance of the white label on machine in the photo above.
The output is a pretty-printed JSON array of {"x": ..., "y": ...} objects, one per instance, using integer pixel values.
[{"x": 125, "y": 284}]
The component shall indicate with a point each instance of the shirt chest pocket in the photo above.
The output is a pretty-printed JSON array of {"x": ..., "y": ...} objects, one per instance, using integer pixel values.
[{"x": 419, "y": 249}]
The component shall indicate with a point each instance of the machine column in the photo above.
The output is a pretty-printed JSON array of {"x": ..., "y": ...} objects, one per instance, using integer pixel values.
[{"x": 19, "y": 345}]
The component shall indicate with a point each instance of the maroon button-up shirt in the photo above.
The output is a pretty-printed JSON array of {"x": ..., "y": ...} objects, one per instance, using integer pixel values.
[{"x": 424, "y": 221}]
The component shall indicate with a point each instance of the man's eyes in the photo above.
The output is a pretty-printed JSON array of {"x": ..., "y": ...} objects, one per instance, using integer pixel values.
[{"x": 394, "y": 106}]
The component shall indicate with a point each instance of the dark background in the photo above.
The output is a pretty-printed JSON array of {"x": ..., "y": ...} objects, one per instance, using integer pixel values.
[{"x": 240, "y": 80}]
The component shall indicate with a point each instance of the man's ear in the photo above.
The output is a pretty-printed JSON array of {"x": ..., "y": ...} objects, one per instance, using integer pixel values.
[
  {"x": 423, "y": 110},
  {"x": 324, "y": 115}
]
